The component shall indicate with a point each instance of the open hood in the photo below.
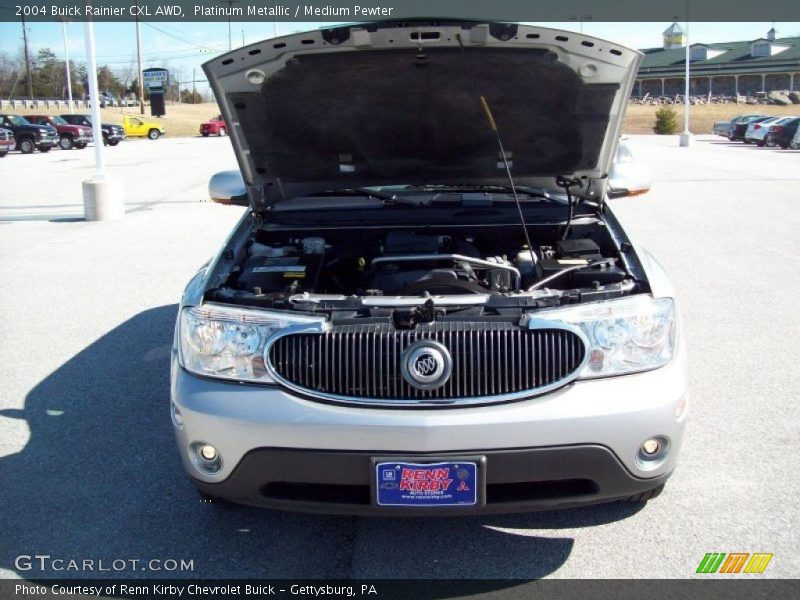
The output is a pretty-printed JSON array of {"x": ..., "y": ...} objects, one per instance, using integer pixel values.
[{"x": 400, "y": 103}]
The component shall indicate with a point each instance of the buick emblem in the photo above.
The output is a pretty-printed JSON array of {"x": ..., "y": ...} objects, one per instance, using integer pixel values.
[{"x": 426, "y": 365}]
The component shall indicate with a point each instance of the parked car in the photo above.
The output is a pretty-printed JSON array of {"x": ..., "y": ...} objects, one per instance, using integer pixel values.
[
  {"x": 386, "y": 330},
  {"x": 105, "y": 99},
  {"x": 6, "y": 141},
  {"x": 757, "y": 130},
  {"x": 29, "y": 137},
  {"x": 739, "y": 124},
  {"x": 721, "y": 128},
  {"x": 795, "y": 143},
  {"x": 112, "y": 134},
  {"x": 136, "y": 127},
  {"x": 77, "y": 136},
  {"x": 214, "y": 126},
  {"x": 782, "y": 133}
]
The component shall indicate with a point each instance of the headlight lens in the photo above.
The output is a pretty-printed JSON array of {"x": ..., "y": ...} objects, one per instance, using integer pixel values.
[
  {"x": 225, "y": 342},
  {"x": 625, "y": 336}
]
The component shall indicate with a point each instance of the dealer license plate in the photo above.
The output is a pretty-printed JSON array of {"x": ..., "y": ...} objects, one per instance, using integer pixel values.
[{"x": 427, "y": 484}]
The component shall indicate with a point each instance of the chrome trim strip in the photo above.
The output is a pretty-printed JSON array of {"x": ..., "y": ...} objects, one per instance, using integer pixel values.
[{"x": 427, "y": 402}]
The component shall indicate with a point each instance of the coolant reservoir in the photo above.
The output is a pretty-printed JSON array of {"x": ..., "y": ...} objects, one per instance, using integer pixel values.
[{"x": 526, "y": 262}]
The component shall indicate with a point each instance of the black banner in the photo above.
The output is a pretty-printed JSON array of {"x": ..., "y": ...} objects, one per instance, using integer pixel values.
[
  {"x": 737, "y": 587},
  {"x": 369, "y": 10}
]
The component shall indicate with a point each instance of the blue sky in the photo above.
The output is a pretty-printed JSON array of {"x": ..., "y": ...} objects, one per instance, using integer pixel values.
[{"x": 187, "y": 45}]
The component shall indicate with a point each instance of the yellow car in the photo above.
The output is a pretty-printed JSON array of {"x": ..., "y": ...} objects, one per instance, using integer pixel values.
[{"x": 136, "y": 127}]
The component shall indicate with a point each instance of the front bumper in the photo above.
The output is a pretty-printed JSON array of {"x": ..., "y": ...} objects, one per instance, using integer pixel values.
[
  {"x": 265, "y": 435},
  {"x": 517, "y": 480},
  {"x": 47, "y": 142}
]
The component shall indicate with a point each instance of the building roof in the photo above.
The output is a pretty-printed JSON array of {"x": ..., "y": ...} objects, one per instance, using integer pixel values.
[
  {"x": 674, "y": 29},
  {"x": 735, "y": 58}
]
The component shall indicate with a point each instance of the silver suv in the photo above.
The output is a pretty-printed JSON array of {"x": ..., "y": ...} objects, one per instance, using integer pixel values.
[{"x": 429, "y": 306}]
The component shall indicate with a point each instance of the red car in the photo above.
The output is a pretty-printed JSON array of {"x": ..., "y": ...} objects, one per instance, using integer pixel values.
[
  {"x": 7, "y": 142},
  {"x": 215, "y": 126},
  {"x": 69, "y": 136}
]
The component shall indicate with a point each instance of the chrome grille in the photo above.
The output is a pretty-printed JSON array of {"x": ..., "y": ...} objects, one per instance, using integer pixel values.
[{"x": 492, "y": 361}]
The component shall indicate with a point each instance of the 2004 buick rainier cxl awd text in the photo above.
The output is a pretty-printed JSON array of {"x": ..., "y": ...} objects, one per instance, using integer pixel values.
[{"x": 429, "y": 306}]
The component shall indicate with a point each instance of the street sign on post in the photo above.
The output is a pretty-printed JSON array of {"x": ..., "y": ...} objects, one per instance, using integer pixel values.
[{"x": 156, "y": 81}]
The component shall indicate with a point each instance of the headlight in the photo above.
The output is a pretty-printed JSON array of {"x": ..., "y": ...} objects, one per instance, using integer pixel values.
[
  {"x": 225, "y": 342},
  {"x": 625, "y": 336}
]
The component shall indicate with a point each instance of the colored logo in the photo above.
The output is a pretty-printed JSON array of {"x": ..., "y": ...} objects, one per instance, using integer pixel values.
[{"x": 734, "y": 562}]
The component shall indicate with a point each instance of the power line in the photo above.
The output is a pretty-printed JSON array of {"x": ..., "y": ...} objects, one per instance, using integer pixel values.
[{"x": 180, "y": 39}]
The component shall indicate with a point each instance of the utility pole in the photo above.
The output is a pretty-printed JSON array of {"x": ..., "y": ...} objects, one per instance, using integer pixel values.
[
  {"x": 66, "y": 65},
  {"x": 139, "y": 64},
  {"x": 194, "y": 84},
  {"x": 27, "y": 58},
  {"x": 230, "y": 4}
]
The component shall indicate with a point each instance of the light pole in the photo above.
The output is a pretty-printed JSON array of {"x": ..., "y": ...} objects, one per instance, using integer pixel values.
[
  {"x": 686, "y": 136},
  {"x": 102, "y": 196},
  {"x": 66, "y": 65}
]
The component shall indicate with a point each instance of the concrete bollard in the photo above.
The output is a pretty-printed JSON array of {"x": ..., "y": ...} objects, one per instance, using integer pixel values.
[{"x": 103, "y": 200}]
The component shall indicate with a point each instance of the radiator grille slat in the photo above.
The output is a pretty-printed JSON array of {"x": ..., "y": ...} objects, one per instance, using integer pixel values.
[{"x": 492, "y": 359}]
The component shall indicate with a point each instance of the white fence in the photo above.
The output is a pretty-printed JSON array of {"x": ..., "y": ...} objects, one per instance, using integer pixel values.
[{"x": 57, "y": 103}]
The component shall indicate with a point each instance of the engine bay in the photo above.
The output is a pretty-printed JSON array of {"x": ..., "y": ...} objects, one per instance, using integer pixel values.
[{"x": 489, "y": 265}]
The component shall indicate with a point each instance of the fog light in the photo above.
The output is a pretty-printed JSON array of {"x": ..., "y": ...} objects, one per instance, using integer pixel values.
[
  {"x": 208, "y": 452},
  {"x": 652, "y": 453},
  {"x": 650, "y": 447},
  {"x": 206, "y": 457}
]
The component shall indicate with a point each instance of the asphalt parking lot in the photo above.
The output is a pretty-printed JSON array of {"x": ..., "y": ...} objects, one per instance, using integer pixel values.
[{"x": 88, "y": 468}]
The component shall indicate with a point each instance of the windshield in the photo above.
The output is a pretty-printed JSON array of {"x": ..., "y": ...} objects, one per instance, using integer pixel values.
[
  {"x": 58, "y": 120},
  {"x": 17, "y": 120}
]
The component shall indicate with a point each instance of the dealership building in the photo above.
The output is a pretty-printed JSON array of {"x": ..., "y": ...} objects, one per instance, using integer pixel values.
[{"x": 724, "y": 69}]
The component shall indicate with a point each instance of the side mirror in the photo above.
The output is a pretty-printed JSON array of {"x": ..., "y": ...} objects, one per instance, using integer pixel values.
[
  {"x": 628, "y": 177},
  {"x": 227, "y": 187}
]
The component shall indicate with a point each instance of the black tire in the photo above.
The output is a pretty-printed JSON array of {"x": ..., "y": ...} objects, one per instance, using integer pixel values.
[
  {"x": 221, "y": 132},
  {"x": 44, "y": 149},
  {"x": 80, "y": 146},
  {"x": 113, "y": 142},
  {"x": 26, "y": 145},
  {"x": 645, "y": 496},
  {"x": 205, "y": 134},
  {"x": 154, "y": 134},
  {"x": 66, "y": 143},
  {"x": 760, "y": 144},
  {"x": 105, "y": 139},
  {"x": 3, "y": 153}
]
